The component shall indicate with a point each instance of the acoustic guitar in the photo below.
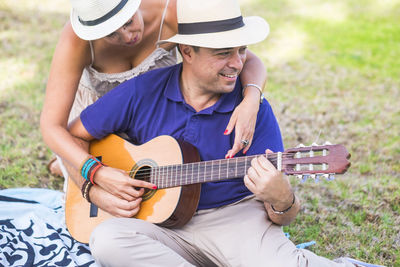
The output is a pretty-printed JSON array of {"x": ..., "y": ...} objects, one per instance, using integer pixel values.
[{"x": 176, "y": 169}]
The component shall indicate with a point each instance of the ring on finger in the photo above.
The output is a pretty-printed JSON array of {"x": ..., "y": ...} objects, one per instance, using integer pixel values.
[{"x": 245, "y": 142}]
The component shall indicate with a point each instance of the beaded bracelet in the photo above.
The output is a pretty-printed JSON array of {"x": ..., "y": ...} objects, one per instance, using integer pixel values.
[
  {"x": 87, "y": 185},
  {"x": 286, "y": 210},
  {"x": 89, "y": 168}
]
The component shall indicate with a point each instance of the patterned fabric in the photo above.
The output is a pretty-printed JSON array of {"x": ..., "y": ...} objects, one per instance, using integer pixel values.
[{"x": 33, "y": 231}]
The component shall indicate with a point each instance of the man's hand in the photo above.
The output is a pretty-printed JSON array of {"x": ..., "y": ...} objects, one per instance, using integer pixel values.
[
  {"x": 114, "y": 205},
  {"x": 272, "y": 187},
  {"x": 267, "y": 183}
]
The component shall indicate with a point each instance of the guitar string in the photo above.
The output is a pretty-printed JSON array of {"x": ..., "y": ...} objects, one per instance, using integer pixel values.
[
  {"x": 200, "y": 163},
  {"x": 178, "y": 179},
  {"x": 223, "y": 169},
  {"x": 230, "y": 161},
  {"x": 223, "y": 162}
]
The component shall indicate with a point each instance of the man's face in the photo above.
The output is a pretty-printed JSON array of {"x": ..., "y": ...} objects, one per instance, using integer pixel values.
[{"x": 216, "y": 70}]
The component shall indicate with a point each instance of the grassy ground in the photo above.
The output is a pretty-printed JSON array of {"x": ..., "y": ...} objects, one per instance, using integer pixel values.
[{"x": 333, "y": 75}]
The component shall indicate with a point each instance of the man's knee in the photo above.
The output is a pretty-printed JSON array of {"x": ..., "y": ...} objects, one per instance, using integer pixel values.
[
  {"x": 103, "y": 240},
  {"x": 111, "y": 237}
]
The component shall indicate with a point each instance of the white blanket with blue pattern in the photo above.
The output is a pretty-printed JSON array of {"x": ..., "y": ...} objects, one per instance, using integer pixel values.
[{"x": 33, "y": 231}]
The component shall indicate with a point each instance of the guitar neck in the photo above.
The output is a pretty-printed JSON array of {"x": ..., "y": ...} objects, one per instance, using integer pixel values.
[
  {"x": 202, "y": 172},
  {"x": 313, "y": 160}
]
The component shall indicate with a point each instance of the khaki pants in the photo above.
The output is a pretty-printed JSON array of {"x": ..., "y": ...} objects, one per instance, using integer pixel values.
[{"x": 234, "y": 235}]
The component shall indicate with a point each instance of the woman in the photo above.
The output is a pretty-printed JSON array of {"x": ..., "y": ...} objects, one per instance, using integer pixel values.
[{"x": 108, "y": 42}]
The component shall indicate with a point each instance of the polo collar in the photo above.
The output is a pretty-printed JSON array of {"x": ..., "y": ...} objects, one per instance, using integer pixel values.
[{"x": 226, "y": 103}]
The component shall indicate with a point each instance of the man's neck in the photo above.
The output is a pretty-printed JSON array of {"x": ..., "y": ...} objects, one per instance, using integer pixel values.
[{"x": 196, "y": 97}]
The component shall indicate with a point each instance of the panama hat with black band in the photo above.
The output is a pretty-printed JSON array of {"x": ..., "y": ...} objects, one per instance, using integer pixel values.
[
  {"x": 95, "y": 19},
  {"x": 216, "y": 24}
]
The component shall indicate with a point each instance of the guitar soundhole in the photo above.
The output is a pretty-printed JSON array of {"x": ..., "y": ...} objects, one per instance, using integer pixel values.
[{"x": 143, "y": 173}]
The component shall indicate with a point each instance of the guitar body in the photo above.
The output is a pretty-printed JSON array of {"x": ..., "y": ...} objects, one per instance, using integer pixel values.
[{"x": 170, "y": 207}]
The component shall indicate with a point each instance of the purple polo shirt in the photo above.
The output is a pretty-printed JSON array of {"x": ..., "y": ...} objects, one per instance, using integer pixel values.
[{"x": 152, "y": 104}]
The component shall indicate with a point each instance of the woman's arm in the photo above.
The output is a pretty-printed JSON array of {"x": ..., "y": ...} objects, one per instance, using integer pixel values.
[
  {"x": 71, "y": 55},
  {"x": 244, "y": 116}
]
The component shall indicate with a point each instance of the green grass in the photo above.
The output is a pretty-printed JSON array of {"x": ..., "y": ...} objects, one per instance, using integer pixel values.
[{"x": 334, "y": 74}]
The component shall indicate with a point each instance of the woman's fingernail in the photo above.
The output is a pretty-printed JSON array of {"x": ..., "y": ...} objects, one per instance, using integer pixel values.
[
  {"x": 244, "y": 152},
  {"x": 226, "y": 131},
  {"x": 155, "y": 187}
]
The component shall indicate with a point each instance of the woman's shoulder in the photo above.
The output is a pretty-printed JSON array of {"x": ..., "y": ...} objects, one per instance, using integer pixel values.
[
  {"x": 171, "y": 19},
  {"x": 154, "y": 9},
  {"x": 72, "y": 48}
]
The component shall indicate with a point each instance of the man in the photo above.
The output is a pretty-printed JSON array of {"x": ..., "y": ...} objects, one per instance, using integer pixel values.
[{"x": 237, "y": 222}]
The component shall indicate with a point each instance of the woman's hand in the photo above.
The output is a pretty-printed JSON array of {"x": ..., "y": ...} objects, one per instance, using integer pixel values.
[
  {"x": 243, "y": 119},
  {"x": 119, "y": 184}
]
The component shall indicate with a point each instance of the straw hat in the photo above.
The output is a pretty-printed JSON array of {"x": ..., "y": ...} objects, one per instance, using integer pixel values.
[
  {"x": 216, "y": 24},
  {"x": 95, "y": 19}
]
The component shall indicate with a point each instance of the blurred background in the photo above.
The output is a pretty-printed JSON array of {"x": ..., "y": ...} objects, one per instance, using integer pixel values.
[{"x": 334, "y": 75}]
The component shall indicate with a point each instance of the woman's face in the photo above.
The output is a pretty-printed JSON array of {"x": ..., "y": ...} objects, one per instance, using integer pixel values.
[{"x": 130, "y": 33}]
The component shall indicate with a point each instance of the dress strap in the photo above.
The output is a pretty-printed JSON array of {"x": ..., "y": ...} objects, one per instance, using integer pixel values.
[
  {"x": 162, "y": 22},
  {"x": 91, "y": 52}
]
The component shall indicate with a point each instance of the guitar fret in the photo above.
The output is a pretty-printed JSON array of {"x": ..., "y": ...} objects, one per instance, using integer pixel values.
[
  {"x": 176, "y": 175},
  {"x": 204, "y": 171},
  {"x": 227, "y": 168},
  {"x": 161, "y": 174},
  {"x": 180, "y": 178},
  {"x": 186, "y": 175},
  {"x": 219, "y": 170},
  {"x": 212, "y": 163},
  {"x": 171, "y": 180},
  {"x": 236, "y": 167},
  {"x": 192, "y": 172},
  {"x": 198, "y": 171},
  {"x": 166, "y": 176}
]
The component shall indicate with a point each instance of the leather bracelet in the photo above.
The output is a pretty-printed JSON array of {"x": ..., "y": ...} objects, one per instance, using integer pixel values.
[
  {"x": 87, "y": 185},
  {"x": 256, "y": 86},
  {"x": 286, "y": 210}
]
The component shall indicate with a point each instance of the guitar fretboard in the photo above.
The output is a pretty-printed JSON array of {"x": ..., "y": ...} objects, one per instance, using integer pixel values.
[{"x": 200, "y": 172}]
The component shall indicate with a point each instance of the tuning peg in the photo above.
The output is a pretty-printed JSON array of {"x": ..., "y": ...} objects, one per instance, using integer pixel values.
[
  {"x": 314, "y": 144},
  {"x": 305, "y": 177},
  {"x": 317, "y": 178},
  {"x": 312, "y": 176},
  {"x": 331, "y": 177},
  {"x": 300, "y": 145},
  {"x": 327, "y": 143},
  {"x": 299, "y": 176}
]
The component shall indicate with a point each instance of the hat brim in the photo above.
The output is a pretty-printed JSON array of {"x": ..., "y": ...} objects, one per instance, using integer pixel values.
[
  {"x": 255, "y": 30},
  {"x": 105, "y": 28}
]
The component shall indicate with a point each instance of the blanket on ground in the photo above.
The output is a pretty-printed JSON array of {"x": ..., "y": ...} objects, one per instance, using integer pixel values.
[{"x": 33, "y": 231}]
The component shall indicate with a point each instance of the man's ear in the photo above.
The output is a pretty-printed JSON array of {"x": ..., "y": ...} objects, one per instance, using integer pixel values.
[{"x": 186, "y": 52}]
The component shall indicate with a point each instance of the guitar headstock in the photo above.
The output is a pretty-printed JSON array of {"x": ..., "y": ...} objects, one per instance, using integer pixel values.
[{"x": 316, "y": 161}]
